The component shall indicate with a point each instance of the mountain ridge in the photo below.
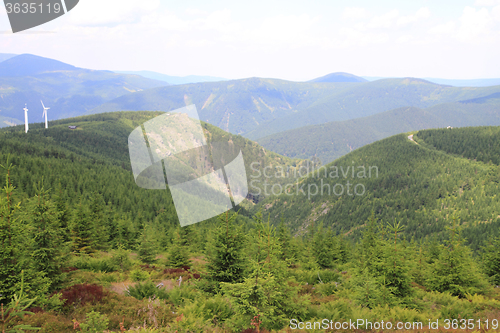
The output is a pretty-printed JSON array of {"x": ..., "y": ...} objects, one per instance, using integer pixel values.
[
  {"x": 29, "y": 65},
  {"x": 329, "y": 141},
  {"x": 174, "y": 79}
]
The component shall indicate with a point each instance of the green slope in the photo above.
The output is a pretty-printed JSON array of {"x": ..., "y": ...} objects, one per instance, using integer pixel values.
[
  {"x": 236, "y": 106},
  {"x": 94, "y": 157},
  {"x": 334, "y": 139},
  {"x": 418, "y": 184}
]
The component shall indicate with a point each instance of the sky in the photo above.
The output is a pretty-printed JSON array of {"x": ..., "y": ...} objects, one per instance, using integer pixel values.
[{"x": 291, "y": 40}]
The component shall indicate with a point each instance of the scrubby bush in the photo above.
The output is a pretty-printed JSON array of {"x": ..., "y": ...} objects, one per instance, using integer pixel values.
[
  {"x": 139, "y": 275},
  {"x": 120, "y": 259},
  {"x": 87, "y": 262},
  {"x": 146, "y": 290},
  {"x": 94, "y": 323}
]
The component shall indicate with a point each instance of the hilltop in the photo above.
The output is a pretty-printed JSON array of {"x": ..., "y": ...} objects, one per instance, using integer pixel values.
[
  {"x": 29, "y": 65},
  {"x": 339, "y": 77}
]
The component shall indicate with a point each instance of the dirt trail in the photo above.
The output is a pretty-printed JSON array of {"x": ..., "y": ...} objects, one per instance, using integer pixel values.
[{"x": 410, "y": 137}]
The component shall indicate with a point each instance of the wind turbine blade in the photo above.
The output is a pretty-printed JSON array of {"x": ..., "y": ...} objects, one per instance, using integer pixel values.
[{"x": 42, "y": 104}]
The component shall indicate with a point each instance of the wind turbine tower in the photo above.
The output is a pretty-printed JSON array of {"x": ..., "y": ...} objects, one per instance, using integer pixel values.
[
  {"x": 26, "y": 119},
  {"x": 45, "y": 114}
]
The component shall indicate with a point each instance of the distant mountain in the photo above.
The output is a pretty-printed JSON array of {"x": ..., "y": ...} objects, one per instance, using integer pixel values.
[
  {"x": 5, "y": 56},
  {"x": 66, "y": 89},
  {"x": 339, "y": 77},
  {"x": 236, "y": 106},
  {"x": 369, "y": 98},
  {"x": 30, "y": 65},
  {"x": 174, "y": 79},
  {"x": 258, "y": 107},
  {"x": 332, "y": 140}
]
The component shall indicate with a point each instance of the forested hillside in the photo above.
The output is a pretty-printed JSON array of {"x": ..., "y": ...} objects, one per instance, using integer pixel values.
[
  {"x": 84, "y": 248},
  {"x": 417, "y": 184}
]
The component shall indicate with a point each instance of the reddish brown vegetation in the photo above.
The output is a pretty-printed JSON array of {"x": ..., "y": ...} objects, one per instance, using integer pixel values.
[
  {"x": 69, "y": 269},
  {"x": 184, "y": 272},
  {"x": 81, "y": 294},
  {"x": 174, "y": 271}
]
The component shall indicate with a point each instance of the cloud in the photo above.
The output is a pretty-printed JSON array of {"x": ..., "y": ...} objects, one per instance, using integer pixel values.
[
  {"x": 111, "y": 12},
  {"x": 221, "y": 21},
  {"x": 447, "y": 28},
  {"x": 486, "y": 3},
  {"x": 356, "y": 13},
  {"x": 421, "y": 14},
  {"x": 353, "y": 37},
  {"x": 474, "y": 24},
  {"x": 384, "y": 21},
  {"x": 291, "y": 30},
  {"x": 496, "y": 13}
]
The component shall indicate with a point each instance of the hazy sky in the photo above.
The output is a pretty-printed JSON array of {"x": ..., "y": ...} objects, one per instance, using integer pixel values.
[{"x": 288, "y": 39}]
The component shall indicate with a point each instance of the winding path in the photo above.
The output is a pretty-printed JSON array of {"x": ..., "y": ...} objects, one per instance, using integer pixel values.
[{"x": 410, "y": 137}]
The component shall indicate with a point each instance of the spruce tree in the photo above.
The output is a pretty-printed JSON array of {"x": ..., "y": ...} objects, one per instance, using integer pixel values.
[
  {"x": 323, "y": 246},
  {"x": 226, "y": 262},
  {"x": 99, "y": 219},
  {"x": 455, "y": 270},
  {"x": 265, "y": 293},
  {"x": 178, "y": 253},
  {"x": 491, "y": 260},
  {"x": 146, "y": 248},
  {"x": 46, "y": 236},
  {"x": 288, "y": 244},
  {"x": 64, "y": 214},
  {"x": 82, "y": 231},
  {"x": 10, "y": 230}
]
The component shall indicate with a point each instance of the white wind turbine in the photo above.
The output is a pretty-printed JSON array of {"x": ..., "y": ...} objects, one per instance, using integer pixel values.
[
  {"x": 25, "y": 119},
  {"x": 45, "y": 114}
]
